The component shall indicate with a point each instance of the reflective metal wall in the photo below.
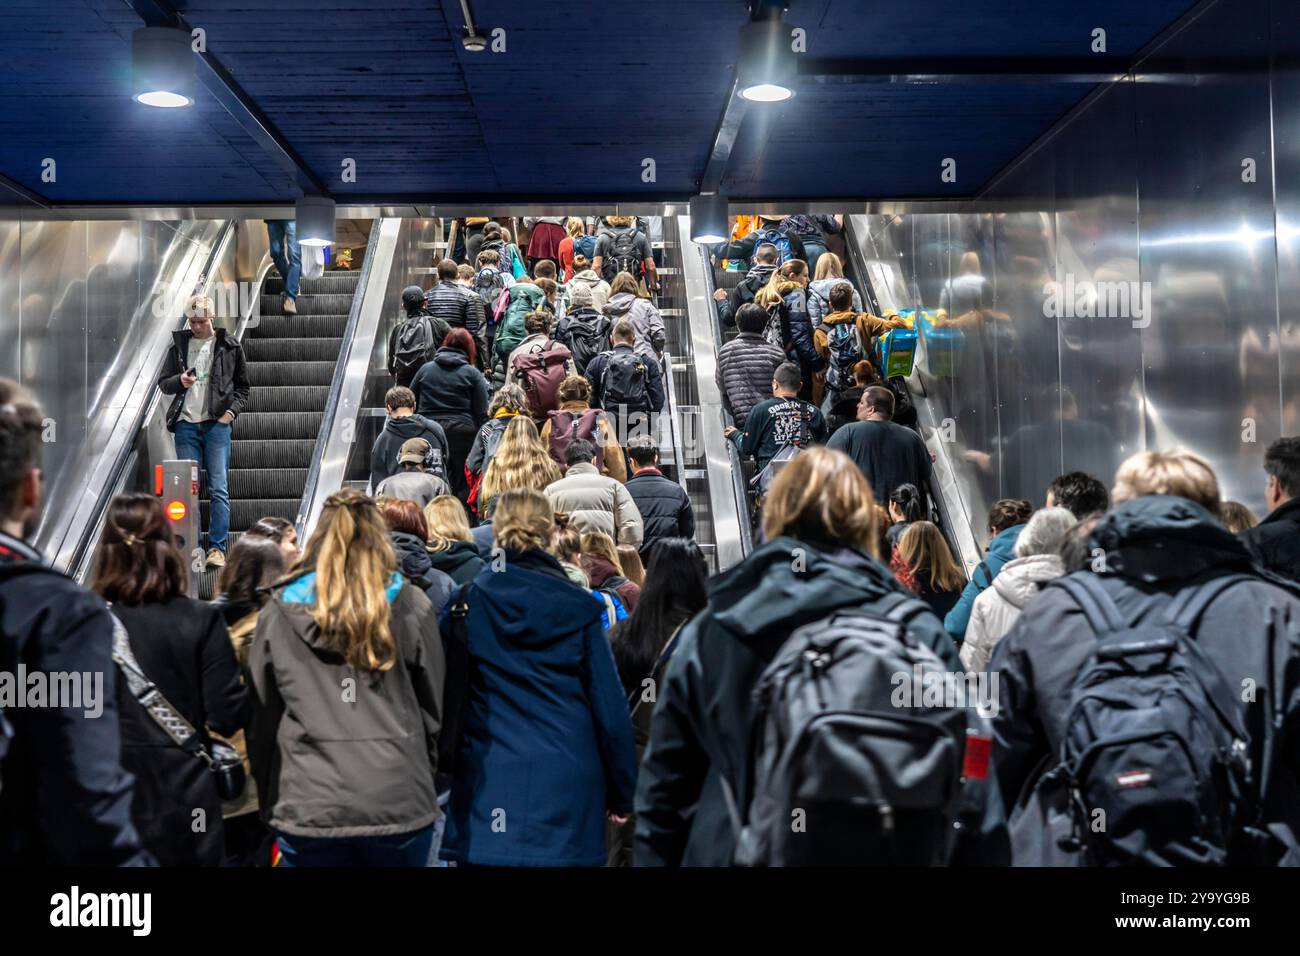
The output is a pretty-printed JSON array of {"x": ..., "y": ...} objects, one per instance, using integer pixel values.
[
  {"x": 1123, "y": 287},
  {"x": 76, "y": 304}
]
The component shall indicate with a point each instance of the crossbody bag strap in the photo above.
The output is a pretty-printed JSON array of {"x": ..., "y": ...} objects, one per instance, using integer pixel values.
[
  {"x": 634, "y": 699},
  {"x": 149, "y": 697}
]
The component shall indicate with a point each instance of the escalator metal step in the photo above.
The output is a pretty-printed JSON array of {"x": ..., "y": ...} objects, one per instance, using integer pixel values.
[
  {"x": 259, "y": 349},
  {"x": 301, "y": 326},
  {"x": 337, "y": 283},
  {"x": 272, "y": 453},
  {"x": 288, "y": 398},
  {"x": 265, "y": 374},
  {"x": 262, "y": 425},
  {"x": 309, "y": 304},
  {"x": 266, "y": 482},
  {"x": 246, "y": 512}
]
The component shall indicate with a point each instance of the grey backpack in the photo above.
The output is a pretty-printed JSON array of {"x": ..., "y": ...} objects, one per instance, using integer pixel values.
[{"x": 844, "y": 770}]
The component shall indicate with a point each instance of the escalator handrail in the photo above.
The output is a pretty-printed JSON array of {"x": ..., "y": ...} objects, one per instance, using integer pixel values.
[{"x": 88, "y": 539}]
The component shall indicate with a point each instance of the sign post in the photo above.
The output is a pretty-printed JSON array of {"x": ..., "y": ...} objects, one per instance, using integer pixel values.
[{"x": 177, "y": 484}]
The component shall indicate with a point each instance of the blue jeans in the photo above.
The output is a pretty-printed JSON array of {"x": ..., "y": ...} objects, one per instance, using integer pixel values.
[
  {"x": 208, "y": 443},
  {"x": 398, "y": 849},
  {"x": 283, "y": 234}
]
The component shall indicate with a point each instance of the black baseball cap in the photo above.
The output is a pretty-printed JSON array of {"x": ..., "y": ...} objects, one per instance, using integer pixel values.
[{"x": 412, "y": 295}]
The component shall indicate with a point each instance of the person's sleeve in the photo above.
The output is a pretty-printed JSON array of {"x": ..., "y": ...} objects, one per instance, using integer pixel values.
[
  {"x": 225, "y": 698},
  {"x": 1019, "y": 741},
  {"x": 975, "y": 646},
  {"x": 725, "y": 314},
  {"x": 924, "y": 466},
  {"x": 958, "y": 618},
  {"x": 739, "y": 249},
  {"x": 797, "y": 248},
  {"x": 428, "y": 670},
  {"x": 83, "y": 796},
  {"x": 595, "y": 371},
  {"x": 857, "y": 301},
  {"x": 474, "y": 313},
  {"x": 655, "y": 330},
  {"x": 686, "y": 517},
  {"x": 753, "y": 434},
  {"x": 655, "y": 384},
  {"x": 801, "y": 335},
  {"x": 674, "y": 767},
  {"x": 613, "y": 726},
  {"x": 392, "y": 350},
  {"x": 268, "y": 709},
  {"x": 417, "y": 383},
  {"x": 627, "y": 517},
  {"x": 820, "y": 431},
  {"x": 734, "y": 302},
  {"x": 474, "y": 463},
  {"x": 839, "y": 441},
  {"x": 440, "y": 441},
  {"x": 720, "y": 380},
  {"x": 169, "y": 382},
  {"x": 377, "y": 470},
  {"x": 615, "y": 466},
  {"x": 241, "y": 384},
  {"x": 479, "y": 399}
]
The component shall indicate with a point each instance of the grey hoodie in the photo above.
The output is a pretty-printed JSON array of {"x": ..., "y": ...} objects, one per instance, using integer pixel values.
[
  {"x": 598, "y": 286},
  {"x": 339, "y": 752},
  {"x": 645, "y": 319}
]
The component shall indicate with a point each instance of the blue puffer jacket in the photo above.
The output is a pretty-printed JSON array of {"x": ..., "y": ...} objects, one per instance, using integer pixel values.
[
  {"x": 546, "y": 747},
  {"x": 1001, "y": 550}
]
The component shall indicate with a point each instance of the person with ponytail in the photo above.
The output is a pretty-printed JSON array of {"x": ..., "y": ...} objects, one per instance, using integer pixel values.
[
  {"x": 182, "y": 646},
  {"x": 544, "y": 750},
  {"x": 905, "y": 506},
  {"x": 347, "y": 669}
]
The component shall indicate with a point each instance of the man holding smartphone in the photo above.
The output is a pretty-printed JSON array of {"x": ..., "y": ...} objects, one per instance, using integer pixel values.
[{"x": 205, "y": 371}]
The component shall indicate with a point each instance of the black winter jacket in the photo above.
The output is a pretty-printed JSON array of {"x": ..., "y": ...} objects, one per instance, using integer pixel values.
[
  {"x": 654, "y": 382},
  {"x": 455, "y": 305},
  {"x": 461, "y": 561},
  {"x": 1155, "y": 547},
  {"x": 799, "y": 331},
  {"x": 701, "y": 722},
  {"x": 450, "y": 389},
  {"x": 384, "y": 452},
  {"x": 1275, "y": 542},
  {"x": 76, "y": 809},
  {"x": 744, "y": 373},
  {"x": 414, "y": 563},
  {"x": 228, "y": 386},
  {"x": 664, "y": 505},
  {"x": 744, "y": 293},
  {"x": 183, "y": 647}
]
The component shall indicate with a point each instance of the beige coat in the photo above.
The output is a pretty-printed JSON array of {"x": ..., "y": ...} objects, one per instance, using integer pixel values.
[{"x": 596, "y": 503}]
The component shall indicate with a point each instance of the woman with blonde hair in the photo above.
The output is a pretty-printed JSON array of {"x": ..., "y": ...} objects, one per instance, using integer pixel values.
[
  {"x": 574, "y": 228},
  {"x": 829, "y": 274},
  {"x": 923, "y": 564},
  {"x": 546, "y": 742},
  {"x": 820, "y": 525},
  {"x": 565, "y": 546},
  {"x": 521, "y": 461},
  {"x": 507, "y": 402},
  {"x": 347, "y": 670},
  {"x": 629, "y": 559},
  {"x": 451, "y": 545}
]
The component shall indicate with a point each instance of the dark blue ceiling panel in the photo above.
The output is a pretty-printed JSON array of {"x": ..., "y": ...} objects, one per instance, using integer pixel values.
[{"x": 583, "y": 95}]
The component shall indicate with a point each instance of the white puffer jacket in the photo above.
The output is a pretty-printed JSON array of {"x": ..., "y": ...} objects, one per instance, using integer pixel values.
[{"x": 998, "y": 605}]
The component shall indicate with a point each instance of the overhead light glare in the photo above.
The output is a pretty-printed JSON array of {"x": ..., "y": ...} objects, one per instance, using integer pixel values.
[{"x": 162, "y": 67}]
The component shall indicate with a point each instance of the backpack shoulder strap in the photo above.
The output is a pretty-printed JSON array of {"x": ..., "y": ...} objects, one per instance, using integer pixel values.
[
  {"x": 1186, "y": 608},
  {"x": 1096, "y": 604}
]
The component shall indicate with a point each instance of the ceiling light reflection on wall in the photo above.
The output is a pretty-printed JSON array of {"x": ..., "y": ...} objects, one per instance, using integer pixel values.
[{"x": 162, "y": 67}]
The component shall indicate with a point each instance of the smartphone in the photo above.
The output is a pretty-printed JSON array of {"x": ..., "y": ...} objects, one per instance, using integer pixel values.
[{"x": 191, "y": 371}]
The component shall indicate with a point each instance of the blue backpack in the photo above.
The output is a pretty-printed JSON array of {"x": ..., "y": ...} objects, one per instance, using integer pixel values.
[
  {"x": 585, "y": 246},
  {"x": 615, "y": 610},
  {"x": 785, "y": 251}
]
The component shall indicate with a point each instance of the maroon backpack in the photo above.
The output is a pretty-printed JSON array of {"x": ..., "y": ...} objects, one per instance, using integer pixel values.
[
  {"x": 566, "y": 426},
  {"x": 541, "y": 371}
]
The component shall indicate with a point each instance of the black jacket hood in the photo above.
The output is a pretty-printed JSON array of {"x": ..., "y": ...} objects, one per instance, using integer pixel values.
[
  {"x": 454, "y": 558},
  {"x": 766, "y": 592},
  {"x": 414, "y": 425},
  {"x": 451, "y": 358},
  {"x": 1165, "y": 538}
]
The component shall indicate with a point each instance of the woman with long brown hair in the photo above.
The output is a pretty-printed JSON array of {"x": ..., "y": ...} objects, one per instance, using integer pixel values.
[
  {"x": 546, "y": 750},
  {"x": 923, "y": 564},
  {"x": 820, "y": 525},
  {"x": 180, "y": 646},
  {"x": 347, "y": 667}
]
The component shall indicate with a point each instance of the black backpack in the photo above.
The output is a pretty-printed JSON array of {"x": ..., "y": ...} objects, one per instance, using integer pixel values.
[
  {"x": 621, "y": 256},
  {"x": 1154, "y": 758},
  {"x": 624, "y": 381},
  {"x": 415, "y": 343},
  {"x": 843, "y": 771},
  {"x": 585, "y": 335}
]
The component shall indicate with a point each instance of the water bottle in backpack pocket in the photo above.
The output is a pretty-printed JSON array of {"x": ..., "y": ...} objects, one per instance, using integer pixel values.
[
  {"x": 845, "y": 769},
  {"x": 1155, "y": 754}
]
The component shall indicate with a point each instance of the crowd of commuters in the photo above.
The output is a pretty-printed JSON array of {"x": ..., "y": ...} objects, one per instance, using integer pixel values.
[{"x": 510, "y": 652}]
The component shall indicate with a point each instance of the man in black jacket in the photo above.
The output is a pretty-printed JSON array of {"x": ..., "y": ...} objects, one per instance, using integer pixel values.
[
  {"x": 205, "y": 371},
  {"x": 645, "y": 375},
  {"x": 664, "y": 505},
  {"x": 780, "y": 422},
  {"x": 765, "y": 263},
  {"x": 403, "y": 424},
  {"x": 452, "y": 302},
  {"x": 64, "y": 797},
  {"x": 1155, "y": 546},
  {"x": 1275, "y": 541}
]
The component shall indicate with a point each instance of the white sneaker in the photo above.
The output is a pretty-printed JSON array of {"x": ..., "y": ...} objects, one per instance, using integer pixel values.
[
  {"x": 289, "y": 306},
  {"x": 216, "y": 559}
]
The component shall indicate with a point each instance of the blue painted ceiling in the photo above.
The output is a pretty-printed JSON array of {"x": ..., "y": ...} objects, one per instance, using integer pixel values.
[{"x": 583, "y": 93}]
